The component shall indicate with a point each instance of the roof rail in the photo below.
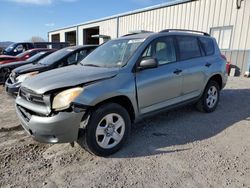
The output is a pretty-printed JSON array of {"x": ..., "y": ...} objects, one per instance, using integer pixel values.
[
  {"x": 137, "y": 32},
  {"x": 185, "y": 30},
  {"x": 140, "y": 31}
]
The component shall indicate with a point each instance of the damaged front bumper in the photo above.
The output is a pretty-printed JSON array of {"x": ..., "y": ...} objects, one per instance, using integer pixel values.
[{"x": 62, "y": 127}]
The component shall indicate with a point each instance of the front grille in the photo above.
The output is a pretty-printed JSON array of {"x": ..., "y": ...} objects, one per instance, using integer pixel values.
[
  {"x": 25, "y": 113},
  {"x": 35, "y": 104},
  {"x": 31, "y": 96}
]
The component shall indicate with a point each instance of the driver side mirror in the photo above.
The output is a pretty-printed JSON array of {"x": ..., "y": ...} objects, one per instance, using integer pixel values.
[{"x": 148, "y": 63}]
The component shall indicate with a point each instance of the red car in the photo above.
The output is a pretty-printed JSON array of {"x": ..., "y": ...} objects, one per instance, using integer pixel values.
[{"x": 4, "y": 59}]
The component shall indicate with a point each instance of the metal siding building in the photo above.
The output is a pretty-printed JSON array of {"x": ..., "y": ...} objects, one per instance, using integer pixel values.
[{"x": 221, "y": 18}]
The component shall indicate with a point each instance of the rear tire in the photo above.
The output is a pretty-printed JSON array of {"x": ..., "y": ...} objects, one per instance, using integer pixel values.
[
  {"x": 107, "y": 130},
  {"x": 210, "y": 98}
]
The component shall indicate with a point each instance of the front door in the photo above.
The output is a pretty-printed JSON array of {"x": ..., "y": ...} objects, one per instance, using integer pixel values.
[{"x": 159, "y": 87}]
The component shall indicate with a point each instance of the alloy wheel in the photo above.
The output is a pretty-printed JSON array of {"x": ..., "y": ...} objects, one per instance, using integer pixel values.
[
  {"x": 110, "y": 131},
  {"x": 212, "y": 96}
]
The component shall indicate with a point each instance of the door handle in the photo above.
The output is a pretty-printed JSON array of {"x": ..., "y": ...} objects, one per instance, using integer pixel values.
[
  {"x": 208, "y": 64},
  {"x": 177, "y": 71}
]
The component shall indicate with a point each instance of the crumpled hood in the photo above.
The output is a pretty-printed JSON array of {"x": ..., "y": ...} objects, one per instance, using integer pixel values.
[
  {"x": 67, "y": 76},
  {"x": 29, "y": 68}
]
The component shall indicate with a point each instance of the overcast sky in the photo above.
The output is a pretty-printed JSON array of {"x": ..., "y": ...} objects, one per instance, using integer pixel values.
[{"x": 22, "y": 19}]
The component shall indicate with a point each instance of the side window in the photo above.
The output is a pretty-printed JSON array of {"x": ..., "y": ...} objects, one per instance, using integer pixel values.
[
  {"x": 165, "y": 51},
  {"x": 25, "y": 46},
  {"x": 189, "y": 47},
  {"x": 147, "y": 52},
  {"x": 29, "y": 46},
  {"x": 207, "y": 45},
  {"x": 20, "y": 48},
  {"x": 72, "y": 59},
  {"x": 82, "y": 54}
]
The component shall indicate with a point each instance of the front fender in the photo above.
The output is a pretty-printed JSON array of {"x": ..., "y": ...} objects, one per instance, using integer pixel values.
[{"x": 121, "y": 85}]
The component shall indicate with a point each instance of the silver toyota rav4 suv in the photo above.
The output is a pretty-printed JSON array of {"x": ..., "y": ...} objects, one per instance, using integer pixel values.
[{"x": 95, "y": 102}]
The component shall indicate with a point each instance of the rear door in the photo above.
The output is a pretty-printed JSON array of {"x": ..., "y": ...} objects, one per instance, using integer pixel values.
[
  {"x": 193, "y": 66},
  {"x": 159, "y": 87}
]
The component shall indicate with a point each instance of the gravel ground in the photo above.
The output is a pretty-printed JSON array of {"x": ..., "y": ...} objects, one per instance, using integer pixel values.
[{"x": 180, "y": 148}]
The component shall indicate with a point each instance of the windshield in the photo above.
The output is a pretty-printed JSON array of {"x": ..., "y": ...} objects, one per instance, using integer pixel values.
[
  {"x": 10, "y": 47},
  {"x": 54, "y": 57},
  {"x": 36, "y": 57},
  {"x": 114, "y": 53}
]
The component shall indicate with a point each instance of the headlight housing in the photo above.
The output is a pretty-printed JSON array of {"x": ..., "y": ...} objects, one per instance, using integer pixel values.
[
  {"x": 23, "y": 77},
  {"x": 63, "y": 99}
]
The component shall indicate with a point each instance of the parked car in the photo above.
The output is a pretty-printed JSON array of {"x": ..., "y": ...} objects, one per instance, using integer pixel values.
[
  {"x": 4, "y": 59},
  {"x": 119, "y": 83},
  {"x": 20, "y": 47},
  {"x": 6, "y": 69},
  {"x": 64, "y": 57}
]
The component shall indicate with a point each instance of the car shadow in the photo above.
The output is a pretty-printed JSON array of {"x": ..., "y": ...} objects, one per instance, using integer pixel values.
[{"x": 158, "y": 134}]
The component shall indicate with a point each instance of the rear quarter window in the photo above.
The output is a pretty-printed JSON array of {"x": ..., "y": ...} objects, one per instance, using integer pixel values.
[
  {"x": 188, "y": 47},
  {"x": 207, "y": 45}
]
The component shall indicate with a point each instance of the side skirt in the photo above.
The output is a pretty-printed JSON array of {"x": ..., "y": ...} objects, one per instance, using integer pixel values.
[{"x": 168, "y": 108}]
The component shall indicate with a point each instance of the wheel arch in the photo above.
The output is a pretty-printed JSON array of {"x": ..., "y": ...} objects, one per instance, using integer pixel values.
[
  {"x": 217, "y": 78},
  {"x": 122, "y": 100}
]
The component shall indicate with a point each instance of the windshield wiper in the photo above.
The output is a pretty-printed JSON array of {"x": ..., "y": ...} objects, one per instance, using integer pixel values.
[{"x": 91, "y": 65}]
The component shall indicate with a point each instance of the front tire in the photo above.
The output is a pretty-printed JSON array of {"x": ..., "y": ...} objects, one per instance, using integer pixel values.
[
  {"x": 107, "y": 130},
  {"x": 210, "y": 98}
]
